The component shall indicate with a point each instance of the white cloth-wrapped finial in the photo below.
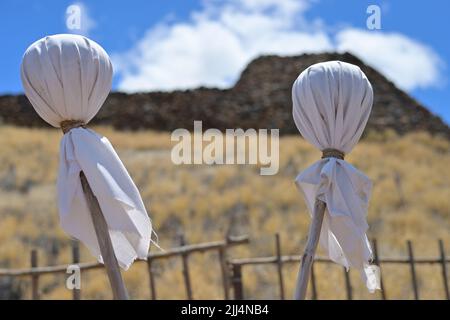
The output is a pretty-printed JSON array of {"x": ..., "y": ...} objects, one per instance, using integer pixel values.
[
  {"x": 68, "y": 77},
  {"x": 331, "y": 105}
]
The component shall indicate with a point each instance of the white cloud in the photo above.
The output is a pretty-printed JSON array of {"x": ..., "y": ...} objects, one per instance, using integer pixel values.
[
  {"x": 215, "y": 45},
  {"x": 408, "y": 63}
]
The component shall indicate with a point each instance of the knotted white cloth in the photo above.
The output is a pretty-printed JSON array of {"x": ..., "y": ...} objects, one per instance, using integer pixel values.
[
  {"x": 68, "y": 77},
  {"x": 331, "y": 105}
]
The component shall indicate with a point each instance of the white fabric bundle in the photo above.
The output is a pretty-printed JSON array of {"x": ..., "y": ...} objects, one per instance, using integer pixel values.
[
  {"x": 68, "y": 77},
  {"x": 331, "y": 105}
]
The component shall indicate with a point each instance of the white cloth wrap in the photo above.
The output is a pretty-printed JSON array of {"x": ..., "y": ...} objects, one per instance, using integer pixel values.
[
  {"x": 68, "y": 77},
  {"x": 331, "y": 105}
]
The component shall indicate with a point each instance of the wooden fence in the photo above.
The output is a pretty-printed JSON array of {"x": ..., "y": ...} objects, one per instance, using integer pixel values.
[
  {"x": 231, "y": 269},
  {"x": 183, "y": 251},
  {"x": 279, "y": 260}
]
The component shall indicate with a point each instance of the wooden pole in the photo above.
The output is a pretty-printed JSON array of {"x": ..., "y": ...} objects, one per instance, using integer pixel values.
[
  {"x": 348, "y": 284},
  {"x": 444, "y": 269},
  {"x": 237, "y": 282},
  {"x": 224, "y": 270},
  {"x": 314, "y": 295},
  {"x": 151, "y": 278},
  {"x": 310, "y": 250},
  {"x": 279, "y": 265},
  {"x": 104, "y": 241},
  {"x": 376, "y": 259},
  {"x": 413, "y": 270},
  {"x": 34, "y": 277},
  {"x": 187, "y": 279},
  {"x": 76, "y": 294}
]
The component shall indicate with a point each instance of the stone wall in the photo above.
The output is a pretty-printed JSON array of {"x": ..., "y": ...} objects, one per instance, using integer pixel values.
[{"x": 261, "y": 98}]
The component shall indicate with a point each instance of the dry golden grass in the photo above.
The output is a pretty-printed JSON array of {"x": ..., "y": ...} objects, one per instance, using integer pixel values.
[{"x": 208, "y": 202}]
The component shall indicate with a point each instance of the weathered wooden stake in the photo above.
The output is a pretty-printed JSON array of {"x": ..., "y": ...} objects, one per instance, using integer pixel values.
[
  {"x": 444, "y": 268},
  {"x": 310, "y": 250},
  {"x": 151, "y": 278},
  {"x": 224, "y": 270},
  {"x": 186, "y": 277},
  {"x": 376, "y": 259},
  {"x": 314, "y": 295},
  {"x": 237, "y": 282},
  {"x": 34, "y": 277},
  {"x": 348, "y": 284},
  {"x": 413, "y": 270},
  {"x": 104, "y": 241},
  {"x": 279, "y": 265},
  {"x": 76, "y": 294}
]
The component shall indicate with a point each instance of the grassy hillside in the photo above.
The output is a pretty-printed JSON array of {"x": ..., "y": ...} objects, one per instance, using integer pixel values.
[{"x": 411, "y": 200}]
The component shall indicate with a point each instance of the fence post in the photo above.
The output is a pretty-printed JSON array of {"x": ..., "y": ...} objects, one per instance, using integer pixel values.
[
  {"x": 444, "y": 269},
  {"x": 279, "y": 265},
  {"x": 76, "y": 293},
  {"x": 151, "y": 278},
  {"x": 187, "y": 280},
  {"x": 237, "y": 282},
  {"x": 224, "y": 270},
  {"x": 376, "y": 259},
  {"x": 313, "y": 283},
  {"x": 348, "y": 284},
  {"x": 413, "y": 270},
  {"x": 34, "y": 276}
]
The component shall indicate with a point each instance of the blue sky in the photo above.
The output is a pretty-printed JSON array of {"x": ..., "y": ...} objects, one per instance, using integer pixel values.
[{"x": 178, "y": 44}]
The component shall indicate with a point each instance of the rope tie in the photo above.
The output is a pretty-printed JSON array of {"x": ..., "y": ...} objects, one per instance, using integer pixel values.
[
  {"x": 68, "y": 125},
  {"x": 332, "y": 153}
]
